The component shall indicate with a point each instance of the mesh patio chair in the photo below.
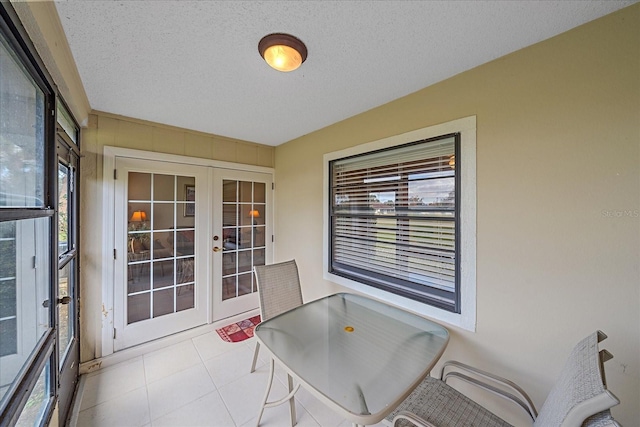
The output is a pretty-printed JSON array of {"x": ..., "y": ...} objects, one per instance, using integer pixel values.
[
  {"x": 278, "y": 290},
  {"x": 579, "y": 397}
]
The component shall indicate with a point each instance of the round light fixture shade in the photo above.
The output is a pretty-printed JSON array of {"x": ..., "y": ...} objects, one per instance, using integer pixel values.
[{"x": 283, "y": 52}]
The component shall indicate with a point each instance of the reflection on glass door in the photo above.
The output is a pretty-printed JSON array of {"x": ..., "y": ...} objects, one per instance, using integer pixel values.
[
  {"x": 160, "y": 249},
  {"x": 243, "y": 233}
]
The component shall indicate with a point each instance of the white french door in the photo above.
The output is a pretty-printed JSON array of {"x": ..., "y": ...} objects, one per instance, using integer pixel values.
[
  {"x": 242, "y": 238},
  {"x": 186, "y": 239},
  {"x": 162, "y": 251}
]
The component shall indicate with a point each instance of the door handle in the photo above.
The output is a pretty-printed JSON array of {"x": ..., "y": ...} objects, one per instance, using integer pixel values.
[
  {"x": 216, "y": 249},
  {"x": 64, "y": 300}
]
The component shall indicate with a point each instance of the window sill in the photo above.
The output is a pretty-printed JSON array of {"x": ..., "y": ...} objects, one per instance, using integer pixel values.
[{"x": 465, "y": 320}]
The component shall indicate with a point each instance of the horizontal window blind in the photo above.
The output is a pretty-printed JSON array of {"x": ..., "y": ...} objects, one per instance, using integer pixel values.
[{"x": 393, "y": 220}]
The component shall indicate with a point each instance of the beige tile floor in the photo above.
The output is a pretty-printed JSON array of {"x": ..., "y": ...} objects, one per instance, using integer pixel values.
[{"x": 199, "y": 381}]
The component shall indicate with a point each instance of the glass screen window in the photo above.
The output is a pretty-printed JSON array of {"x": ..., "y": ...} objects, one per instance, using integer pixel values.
[
  {"x": 21, "y": 134},
  {"x": 24, "y": 293},
  {"x": 28, "y": 203},
  {"x": 34, "y": 409}
]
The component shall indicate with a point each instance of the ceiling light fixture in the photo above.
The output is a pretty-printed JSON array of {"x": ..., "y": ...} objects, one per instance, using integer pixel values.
[{"x": 283, "y": 52}]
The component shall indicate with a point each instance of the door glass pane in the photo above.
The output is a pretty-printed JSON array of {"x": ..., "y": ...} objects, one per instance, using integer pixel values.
[
  {"x": 63, "y": 209},
  {"x": 229, "y": 215},
  {"x": 258, "y": 257},
  {"x": 65, "y": 311},
  {"x": 258, "y": 192},
  {"x": 163, "y": 215},
  {"x": 185, "y": 270},
  {"x": 245, "y": 191},
  {"x": 244, "y": 284},
  {"x": 139, "y": 186},
  {"x": 184, "y": 242},
  {"x": 21, "y": 134},
  {"x": 229, "y": 191},
  {"x": 229, "y": 288},
  {"x": 36, "y": 405},
  {"x": 229, "y": 266},
  {"x": 160, "y": 245},
  {"x": 138, "y": 307},
  {"x": 24, "y": 293},
  {"x": 243, "y": 231},
  {"x": 185, "y": 297},
  {"x": 163, "y": 187},
  {"x": 163, "y": 302}
]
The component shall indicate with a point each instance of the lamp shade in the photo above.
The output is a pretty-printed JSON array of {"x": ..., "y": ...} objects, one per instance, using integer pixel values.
[
  {"x": 282, "y": 52},
  {"x": 254, "y": 214},
  {"x": 138, "y": 216}
]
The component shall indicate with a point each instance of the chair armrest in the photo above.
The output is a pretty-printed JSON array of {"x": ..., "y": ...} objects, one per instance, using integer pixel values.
[
  {"x": 520, "y": 397},
  {"x": 411, "y": 417}
]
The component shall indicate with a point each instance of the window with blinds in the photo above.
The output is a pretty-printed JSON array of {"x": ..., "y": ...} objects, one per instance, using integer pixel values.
[{"x": 394, "y": 220}]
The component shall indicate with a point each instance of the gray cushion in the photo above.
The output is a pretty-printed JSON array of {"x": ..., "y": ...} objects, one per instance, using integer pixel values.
[{"x": 443, "y": 406}]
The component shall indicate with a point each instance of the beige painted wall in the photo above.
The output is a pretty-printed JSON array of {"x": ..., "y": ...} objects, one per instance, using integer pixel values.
[
  {"x": 558, "y": 152},
  {"x": 116, "y": 131}
]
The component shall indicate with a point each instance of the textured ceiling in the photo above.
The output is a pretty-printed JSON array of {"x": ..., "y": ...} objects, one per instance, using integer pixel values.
[{"x": 195, "y": 64}]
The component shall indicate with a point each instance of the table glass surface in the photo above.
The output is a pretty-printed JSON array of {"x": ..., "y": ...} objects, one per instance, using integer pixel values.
[{"x": 361, "y": 354}]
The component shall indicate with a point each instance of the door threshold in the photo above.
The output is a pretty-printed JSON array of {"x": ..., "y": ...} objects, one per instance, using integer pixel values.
[{"x": 130, "y": 353}]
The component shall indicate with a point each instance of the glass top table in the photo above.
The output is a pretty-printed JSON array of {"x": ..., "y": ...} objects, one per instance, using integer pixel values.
[{"x": 359, "y": 356}]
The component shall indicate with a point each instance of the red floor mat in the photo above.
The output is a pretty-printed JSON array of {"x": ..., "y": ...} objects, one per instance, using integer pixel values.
[{"x": 239, "y": 331}]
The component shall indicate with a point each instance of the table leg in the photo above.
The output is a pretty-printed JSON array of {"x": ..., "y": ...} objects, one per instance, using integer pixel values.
[
  {"x": 292, "y": 401},
  {"x": 290, "y": 397},
  {"x": 266, "y": 394},
  {"x": 255, "y": 357}
]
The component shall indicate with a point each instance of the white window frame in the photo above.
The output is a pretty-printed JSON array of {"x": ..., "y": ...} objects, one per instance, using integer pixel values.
[{"x": 466, "y": 319}]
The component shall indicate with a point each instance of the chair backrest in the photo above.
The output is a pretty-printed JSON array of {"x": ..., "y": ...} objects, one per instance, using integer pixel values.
[
  {"x": 580, "y": 392},
  {"x": 278, "y": 288}
]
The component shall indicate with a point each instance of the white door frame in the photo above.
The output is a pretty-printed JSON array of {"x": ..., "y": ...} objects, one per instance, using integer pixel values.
[{"x": 105, "y": 345}]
